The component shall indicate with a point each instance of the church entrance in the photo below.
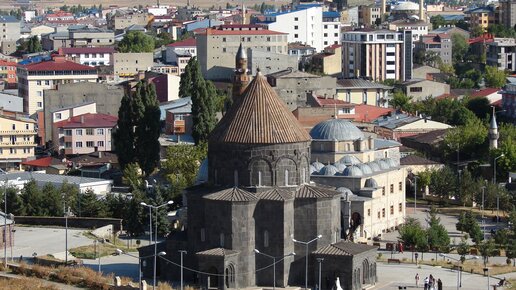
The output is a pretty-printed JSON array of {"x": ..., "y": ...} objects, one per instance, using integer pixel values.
[
  {"x": 229, "y": 276},
  {"x": 213, "y": 280}
]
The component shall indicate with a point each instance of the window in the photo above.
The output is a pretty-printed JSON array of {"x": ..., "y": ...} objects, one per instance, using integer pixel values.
[
  {"x": 383, "y": 212},
  {"x": 296, "y": 27},
  {"x": 68, "y": 132},
  {"x": 222, "y": 240},
  {"x": 296, "y": 36},
  {"x": 383, "y": 190},
  {"x": 90, "y": 144},
  {"x": 368, "y": 212},
  {"x": 100, "y": 143},
  {"x": 296, "y": 18},
  {"x": 266, "y": 239},
  {"x": 68, "y": 144},
  {"x": 326, "y": 35},
  {"x": 392, "y": 209},
  {"x": 235, "y": 178},
  {"x": 400, "y": 186},
  {"x": 89, "y": 131},
  {"x": 100, "y": 131},
  {"x": 12, "y": 150},
  {"x": 78, "y": 132},
  {"x": 14, "y": 127},
  {"x": 78, "y": 144},
  {"x": 392, "y": 188},
  {"x": 400, "y": 207},
  {"x": 203, "y": 235},
  {"x": 47, "y": 83},
  {"x": 223, "y": 50},
  {"x": 40, "y": 104},
  {"x": 286, "y": 177},
  {"x": 336, "y": 34},
  {"x": 224, "y": 39},
  {"x": 378, "y": 214},
  {"x": 38, "y": 83},
  {"x": 39, "y": 93},
  {"x": 26, "y": 126},
  {"x": 416, "y": 89},
  {"x": 325, "y": 26},
  {"x": 58, "y": 116},
  {"x": 336, "y": 26}
]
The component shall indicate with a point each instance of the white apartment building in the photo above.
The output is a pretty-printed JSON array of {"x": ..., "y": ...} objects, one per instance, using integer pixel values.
[
  {"x": 92, "y": 56},
  {"x": 418, "y": 28},
  {"x": 308, "y": 25},
  {"x": 36, "y": 77},
  {"x": 179, "y": 53}
]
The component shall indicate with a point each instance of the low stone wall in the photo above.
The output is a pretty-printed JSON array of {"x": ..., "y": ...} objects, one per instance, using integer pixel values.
[{"x": 73, "y": 222}]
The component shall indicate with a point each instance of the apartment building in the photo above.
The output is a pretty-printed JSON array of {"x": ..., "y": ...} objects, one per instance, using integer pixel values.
[
  {"x": 217, "y": 47},
  {"x": 92, "y": 56},
  {"x": 126, "y": 65},
  {"x": 329, "y": 61},
  {"x": 81, "y": 36},
  {"x": 17, "y": 140},
  {"x": 308, "y": 24},
  {"x": 9, "y": 28},
  {"x": 501, "y": 53},
  {"x": 419, "y": 28},
  {"x": 438, "y": 43},
  {"x": 360, "y": 91},
  {"x": 377, "y": 54},
  {"x": 179, "y": 53},
  {"x": 369, "y": 15},
  {"x": 36, "y": 77},
  {"x": 84, "y": 134},
  {"x": 483, "y": 16},
  {"x": 120, "y": 20},
  {"x": 8, "y": 74},
  {"x": 509, "y": 100},
  {"x": 507, "y": 12}
]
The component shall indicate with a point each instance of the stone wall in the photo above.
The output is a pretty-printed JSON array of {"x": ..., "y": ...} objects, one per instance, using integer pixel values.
[{"x": 73, "y": 222}]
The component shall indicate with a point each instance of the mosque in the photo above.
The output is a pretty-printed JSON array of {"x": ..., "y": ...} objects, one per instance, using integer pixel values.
[{"x": 272, "y": 192}]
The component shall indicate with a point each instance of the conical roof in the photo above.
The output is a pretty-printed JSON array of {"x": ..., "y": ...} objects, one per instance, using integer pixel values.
[
  {"x": 259, "y": 117},
  {"x": 232, "y": 194}
]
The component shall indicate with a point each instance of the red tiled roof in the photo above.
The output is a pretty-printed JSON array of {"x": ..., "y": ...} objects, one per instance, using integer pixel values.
[
  {"x": 70, "y": 50},
  {"x": 187, "y": 42},
  {"x": 333, "y": 46},
  {"x": 53, "y": 65},
  {"x": 331, "y": 102},
  {"x": 41, "y": 162},
  {"x": 88, "y": 121},
  {"x": 367, "y": 113},
  {"x": 484, "y": 92}
]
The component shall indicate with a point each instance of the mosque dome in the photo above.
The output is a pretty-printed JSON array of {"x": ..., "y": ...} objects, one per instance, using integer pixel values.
[
  {"x": 317, "y": 165},
  {"x": 340, "y": 166},
  {"x": 353, "y": 171},
  {"x": 371, "y": 183},
  {"x": 202, "y": 174},
  {"x": 374, "y": 166},
  {"x": 406, "y": 6},
  {"x": 366, "y": 169},
  {"x": 329, "y": 170},
  {"x": 313, "y": 169},
  {"x": 336, "y": 129},
  {"x": 349, "y": 160},
  {"x": 391, "y": 162},
  {"x": 345, "y": 191}
]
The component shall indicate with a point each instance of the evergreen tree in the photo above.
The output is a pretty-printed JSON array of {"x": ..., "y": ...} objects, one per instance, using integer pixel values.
[
  {"x": 70, "y": 197},
  {"x": 136, "y": 41},
  {"x": 148, "y": 130},
  {"x": 162, "y": 214},
  {"x": 116, "y": 205},
  {"x": 132, "y": 177},
  {"x": 14, "y": 202},
  {"x": 52, "y": 202},
  {"x": 203, "y": 111},
  {"x": 185, "y": 84},
  {"x": 91, "y": 206},
  {"x": 123, "y": 136},
  {"x": 134, "y": 216},
  {"x": 32, "y": 199},
  {"x": 437, "y": 234}
]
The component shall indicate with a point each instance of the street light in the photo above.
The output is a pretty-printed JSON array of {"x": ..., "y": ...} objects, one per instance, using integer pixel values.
[
  {"x": 483, "y": 223},
  {"x": 459, "y": 270},
  {"x": 182, "y": 252},
  {"x": 494, "y": 182},
  {"x": 320, "y": 260},
  {"x": 306, "y": 255},
  {"x": 274, "y": 264},
  {"x": 150, "y": 221},
  {"x": 155, "y": 233},
  {"x": 120, "y": 252},
  {"x": 415, "y": 192},
  {"x": 66, "y": 212}
]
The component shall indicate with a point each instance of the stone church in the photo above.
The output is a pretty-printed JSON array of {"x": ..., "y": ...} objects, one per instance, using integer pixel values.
[{"x": 257, "y": 202}]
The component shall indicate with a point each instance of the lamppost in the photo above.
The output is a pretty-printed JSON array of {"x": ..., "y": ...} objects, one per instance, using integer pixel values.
[
  {"x": 320, "y": 260},
  {"x": 97, "y": 249},
  {"x": 459, "y": 266},
  {"x": 273, "y": 264},
  {"x": 155, "y": 233},
  {"x": 496, "y": 187},
  {"x": 306, "y": 255},
  {"x": 66, "y": 212},
  {"x": 5, "y": 225},
  {"x": 182, "y": 252},
  {"x": 415, "y": 192},
  {"x": 120, "y": 252},
  {"x": 483, "y": 223}
]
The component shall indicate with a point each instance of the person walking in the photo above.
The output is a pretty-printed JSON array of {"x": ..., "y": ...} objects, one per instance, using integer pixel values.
[
  {"x": 417, "y": 280},
  {"x": 426, "y": 283},
  {"x": 439, "y": 284}
]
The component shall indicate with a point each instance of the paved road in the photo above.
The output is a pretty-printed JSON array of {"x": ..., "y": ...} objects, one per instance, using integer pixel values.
[{"x": 121, "y": 265}]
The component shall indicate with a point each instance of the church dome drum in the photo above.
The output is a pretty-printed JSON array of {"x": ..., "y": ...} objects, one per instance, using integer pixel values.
[{"x": 336, "y": 129}]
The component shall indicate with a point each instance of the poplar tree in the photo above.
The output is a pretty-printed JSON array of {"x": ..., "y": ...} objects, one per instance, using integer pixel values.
[
  {"x": 185, "y": 84},
  {"x": 123, "y": 136},
  {"x": 203, "y": 106}
]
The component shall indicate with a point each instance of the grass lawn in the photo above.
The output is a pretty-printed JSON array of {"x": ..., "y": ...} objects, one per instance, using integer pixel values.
[{"x": 89, "y": 252}]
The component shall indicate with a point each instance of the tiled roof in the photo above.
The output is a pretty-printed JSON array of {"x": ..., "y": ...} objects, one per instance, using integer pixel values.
[
  {"x": 259, "y": 117},
  {"x": 367, "y": 113},
  {"x": 96, "y": 158},
  {"x": 232, "y": 194},
  {"x": 310, "y": 191},
  {"x": 214, "y": 31},
  {"x": 485, "y": 92},
  {"x": 344, "y": 248},
  {"x": 361, "y": 84},
  {"x": 275, "y": 194},
  {"x": 217, "y": 252},
  {"x": 42, "y": 162},
  {"x": 52, "y": 65},
  {"x": 79, "y": 50},
  {"x": 331, "y": 102},
  {"x": 431, "y": 137},
  {"x": 416, "y": 160},
  {"x": 289, "y": 73},
  {"x": 89, "y": 121},
  {"x": 187, "y": 42}
]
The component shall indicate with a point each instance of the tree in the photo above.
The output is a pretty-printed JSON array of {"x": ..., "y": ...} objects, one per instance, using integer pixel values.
[
  {"x": 463, "y": 248},
  {"x": 32, "y": 199},
  {"x": 479, "y": 106},
  {"x": 459, "y": 47},
  {"x": 468, "y": 187},
  {"x": 185, "y": 84},
  {"x": 162, "y": 213},
  {"x": 116, "y": 205},
  {"x": 91, "y": 206},
  {"x": 475, "y": 76},
  {"x": 495, "y": 78},
  {"x": 447, "y": 68},
  {"x": 123, "y": 135},
  {"x": 437, "y": 234},
  {"x": 31, "y": 45},
  {"x": 52, "y": 203},
  {"x": 487, "y": 249},
  {"x": 437, "y": 21},
  {"x": 133, "y": 177},
  {"x": 466, "y": 138},
  {"x": 400, "y": 101},
  {"x": 476, "y": 31},
  {"x": 14, "y": 202},
  {"x": 136, "y": 41},
  {"x": 70, "y": 195},
  {"x": 148, "y": 129},
  {"x": 412, "y": 234},
  {"x": 443, "y": 182},
  {"x": 163, "y": 38},
  {"x": 203, "y": 108},
  {"x": 134, "y": 216}
]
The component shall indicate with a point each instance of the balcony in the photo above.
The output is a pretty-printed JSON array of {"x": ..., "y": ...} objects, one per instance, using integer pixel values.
[
  {"x": 179, "y": 127},
  {"x": 18, "y": 132},
  {"x": 18, "y": 144}
]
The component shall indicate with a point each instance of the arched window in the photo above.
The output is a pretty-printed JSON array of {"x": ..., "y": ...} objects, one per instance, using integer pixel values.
[
  {"x": 259, "y": 178},
  {"x": 266, "y": 239},
  {"x": 222, "y": 240},
  {"x": 385, "y": 154},
  {"x": 235, "y": 178},
  {"x": 216, "y": 177},
  {"x": 286, "y": 177},
  {"x": 348, "y": 148},
  {"x": 303, "y": 176},
  {"x": 203, "y": 235}
]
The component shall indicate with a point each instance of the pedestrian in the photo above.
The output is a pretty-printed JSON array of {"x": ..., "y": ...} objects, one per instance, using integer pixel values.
[
  {"x": 21, "y": 258},
  {"x": 426, "y": 283},
  {"x": 417, "y": 280},
  {"x": 439, "y": 284}
]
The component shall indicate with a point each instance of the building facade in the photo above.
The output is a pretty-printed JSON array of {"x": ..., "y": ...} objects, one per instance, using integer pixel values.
[
  {"x": 36, "y": 77},
  {"x": 78, "y": 37},
  {"x": 377, "y": 54},
  {"x": 9, "y": 28},
  {"x": 8, "y": 74},
  {"x": 359, "y": 91},
  {"x": 17, "y": 140},
  {"x": 509, "y": 101},
  {"x": 501, "y": 53},
  {"x": 507, "y": 13},
  {"x": 92, "y": 56},
  {"x": 127, "y": 65}
]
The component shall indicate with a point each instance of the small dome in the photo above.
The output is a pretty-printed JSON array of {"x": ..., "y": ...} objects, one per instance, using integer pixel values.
[
  {"x": 383, "y": 164},
  {"x": 391, "y": 162},
  {"x": 371, "y": 183},
  {"x": 345, "y": 190},
  {"x": 340, "y": 166},
  {"x": 406, "y": 6},
  {"x": 318, "y": 165},
  {"x": 336, "y": 129},
  {"x": 352, "y": 171},
  {"x": 202, "y": 174},
  {"x": 365, "y": 168},
  {"x": 374, "y": 166},
  {"x": 349, "y": 160},
  {"x": 313, "y": 169},
  {"x": 328, "y": 170}
]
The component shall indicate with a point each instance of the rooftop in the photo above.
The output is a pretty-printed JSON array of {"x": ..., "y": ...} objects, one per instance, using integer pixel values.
[
  {"x": 51, "y": 178},
  {"x": 484, "y": 92},
  {"x": 360, "y": 84},
  {"x": 8, "y": 19},
  {"x": 344, "y": 248},
  {"x": 187, "y": 42},
  {"x": 79, "y": 50},
  {"x": 416, "y": 160},
  {"x": 290, "y": 73},
  {"x": 61, "y": 65},
  {"x": 89, "y": 121}
]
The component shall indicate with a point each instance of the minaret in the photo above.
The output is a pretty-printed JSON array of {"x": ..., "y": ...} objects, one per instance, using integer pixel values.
[
  {"x": 384, "y": 10},
  {"x": 421, "y": 10},
  {"x": 493, "y": 132},
  {"x": 241, "y": 79}
]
